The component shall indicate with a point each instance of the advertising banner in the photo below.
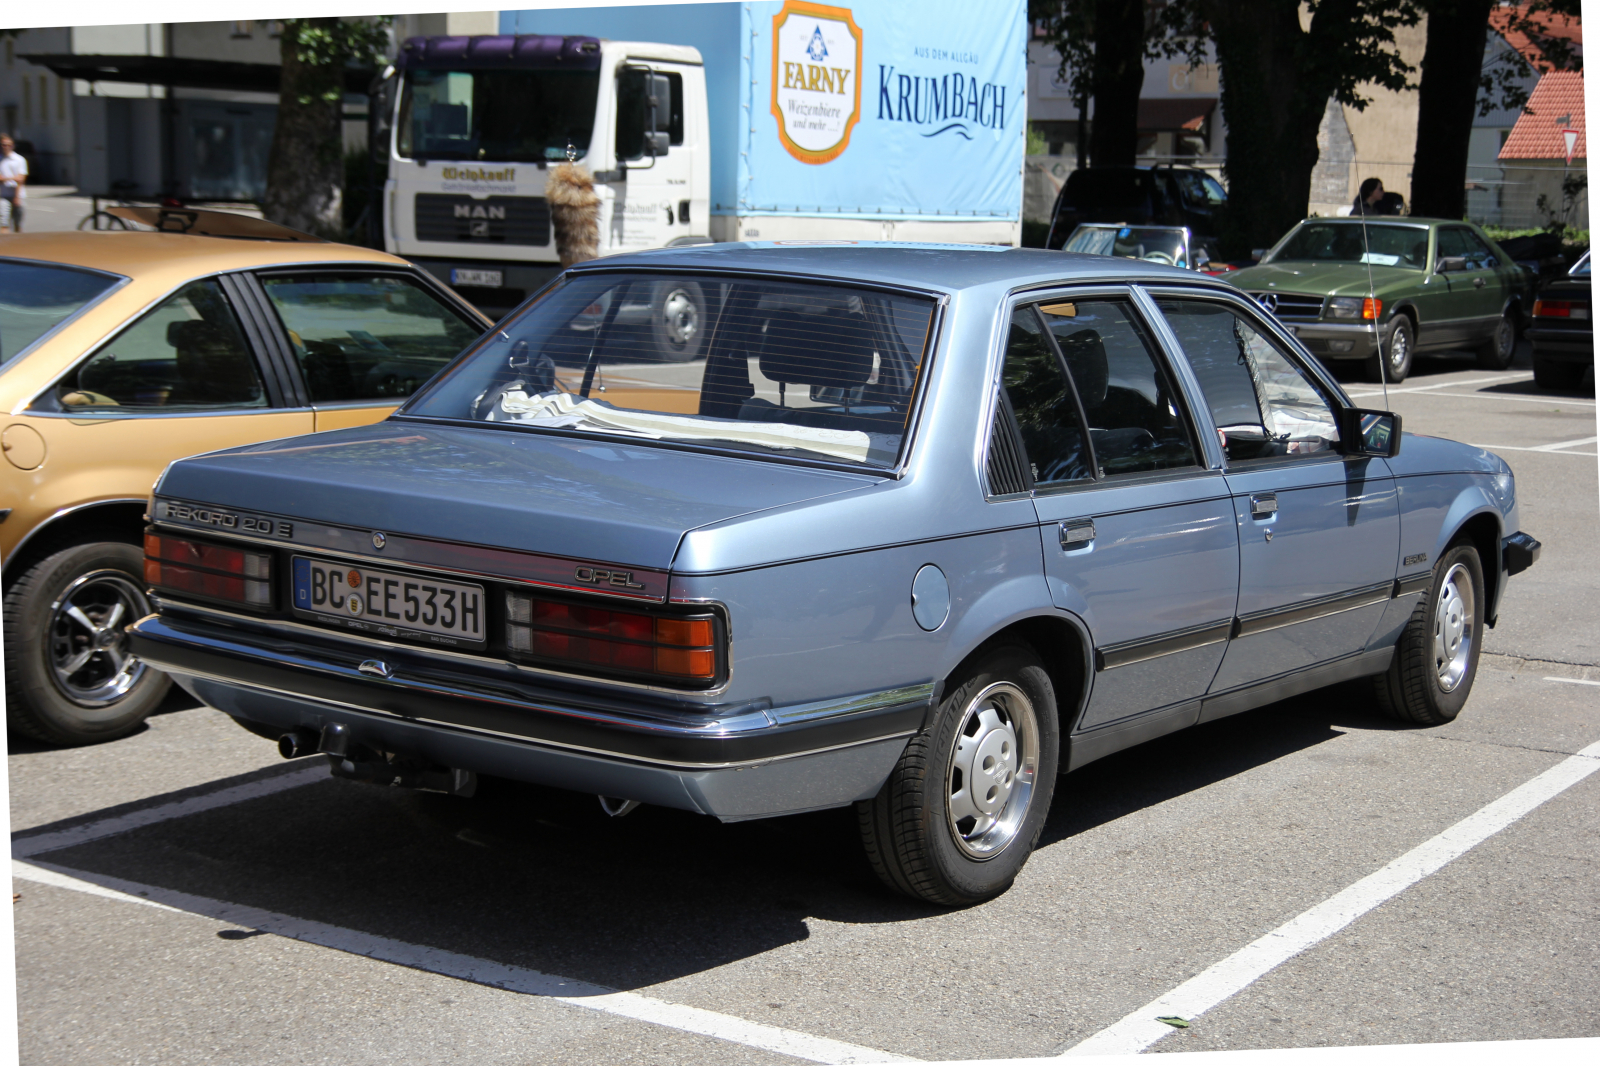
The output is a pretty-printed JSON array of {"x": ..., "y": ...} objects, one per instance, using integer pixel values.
[{"x": 885, "y": 108}]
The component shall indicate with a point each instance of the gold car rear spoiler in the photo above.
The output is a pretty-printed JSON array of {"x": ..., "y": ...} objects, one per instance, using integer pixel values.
[{"x": 204, "y": 223}]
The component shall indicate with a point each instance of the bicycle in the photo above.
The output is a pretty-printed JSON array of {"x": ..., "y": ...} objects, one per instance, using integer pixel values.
[{"x": 98, "y": 219}]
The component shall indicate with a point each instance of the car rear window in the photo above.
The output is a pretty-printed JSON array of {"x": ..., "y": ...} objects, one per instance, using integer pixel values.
[
  {"x": 35, "y": 298},
  {"x": 812, "y": 371}
]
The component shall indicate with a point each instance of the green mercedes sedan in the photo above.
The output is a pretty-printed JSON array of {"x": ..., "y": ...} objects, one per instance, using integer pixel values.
[{"x": 1382, "y": 291}]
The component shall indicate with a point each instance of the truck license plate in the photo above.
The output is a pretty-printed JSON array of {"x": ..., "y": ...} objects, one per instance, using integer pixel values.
[
  {"x": 413, "y": 605},
  {"x": 488, "y": 279}
]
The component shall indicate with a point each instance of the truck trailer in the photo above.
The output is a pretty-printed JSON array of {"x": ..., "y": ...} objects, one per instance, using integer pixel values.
[{"x": 700, "y": 123}]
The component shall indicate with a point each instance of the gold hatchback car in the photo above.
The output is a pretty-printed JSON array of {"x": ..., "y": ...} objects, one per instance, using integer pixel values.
[{"x": 120, "y": 352}]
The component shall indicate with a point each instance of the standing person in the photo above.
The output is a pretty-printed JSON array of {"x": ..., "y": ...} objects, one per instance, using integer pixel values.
[
  {"x": 13, "y": 178},
  {"x": 1369, "y": 201}
]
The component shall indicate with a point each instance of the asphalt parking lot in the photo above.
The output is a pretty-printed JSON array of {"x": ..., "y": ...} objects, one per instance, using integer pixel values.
[{"x": 187, "y": 897}]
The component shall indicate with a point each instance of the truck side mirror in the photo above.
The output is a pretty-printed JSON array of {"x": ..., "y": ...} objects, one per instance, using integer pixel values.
[
  {"x": 644, "y": 101},
  {"x": 380, "y": 115},
  {"x": 1369, "y": 432}
]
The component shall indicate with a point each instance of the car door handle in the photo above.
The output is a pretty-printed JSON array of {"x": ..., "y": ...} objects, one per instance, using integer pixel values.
[
  {"x": 1263, "y": 504},
  {"x": 1076, "y": 534},
  {"x": 1477, "y": 283}
]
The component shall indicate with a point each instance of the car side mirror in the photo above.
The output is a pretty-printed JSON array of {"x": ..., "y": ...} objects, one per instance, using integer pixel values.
[
  {"x": 1369, "y": 432},
  {"x": 1450, "y": 264}
]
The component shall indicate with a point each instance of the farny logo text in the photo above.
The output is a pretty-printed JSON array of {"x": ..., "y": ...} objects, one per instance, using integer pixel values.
[{"x": 478, "y": 174}]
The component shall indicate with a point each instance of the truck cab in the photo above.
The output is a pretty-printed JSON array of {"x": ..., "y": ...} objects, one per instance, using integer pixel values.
[{"x": 470, "y": 128}]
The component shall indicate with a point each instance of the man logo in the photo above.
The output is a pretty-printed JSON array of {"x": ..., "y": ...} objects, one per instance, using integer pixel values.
[{"x": 816, "y": 83}]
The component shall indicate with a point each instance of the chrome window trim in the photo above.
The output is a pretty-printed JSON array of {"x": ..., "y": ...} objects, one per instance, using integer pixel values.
[{"x": 1168, "y": 358}]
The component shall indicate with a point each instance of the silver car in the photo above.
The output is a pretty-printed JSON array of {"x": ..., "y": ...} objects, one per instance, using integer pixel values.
[{"x": 920, "y": 529}]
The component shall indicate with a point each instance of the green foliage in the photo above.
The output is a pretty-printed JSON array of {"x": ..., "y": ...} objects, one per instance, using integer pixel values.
[
  {"x": 329, "y": 45},
  {"x": 1037, "y": 145}
]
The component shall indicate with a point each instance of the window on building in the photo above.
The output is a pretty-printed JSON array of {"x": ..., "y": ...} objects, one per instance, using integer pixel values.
[
  {"x": 242, "y": 28},
  {"x": 27, "y": 100},
  {"x": 44, "y": 99}
]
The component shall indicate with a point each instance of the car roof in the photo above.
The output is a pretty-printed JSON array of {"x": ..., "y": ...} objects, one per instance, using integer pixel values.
[
  {"x": 947, "y": 268},
  {"x": 172, "y": 257}
]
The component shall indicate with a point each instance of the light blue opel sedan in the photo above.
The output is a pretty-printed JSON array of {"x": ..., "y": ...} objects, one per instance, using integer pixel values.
[{"x": 921, "y": 528}]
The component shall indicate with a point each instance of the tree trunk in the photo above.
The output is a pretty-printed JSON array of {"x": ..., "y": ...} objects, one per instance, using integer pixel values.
[
  {"x": 305, "y": 169},
  {"x": 1118, "y": 80},
  {"x": 1446, "y": 101},
  {"x": 1274, "y": 95}
]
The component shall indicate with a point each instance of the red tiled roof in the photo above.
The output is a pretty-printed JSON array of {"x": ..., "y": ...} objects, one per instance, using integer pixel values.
[
  {"x": 1560, "y": 26},
  {"x": 1556, "y": 104}
]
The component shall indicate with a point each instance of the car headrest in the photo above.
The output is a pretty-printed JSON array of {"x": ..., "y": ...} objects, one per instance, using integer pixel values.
[
  {"x": 193, "y": 333},
  {"x": 832, "y": 350},
  {"x": 1085, "y": 353}
]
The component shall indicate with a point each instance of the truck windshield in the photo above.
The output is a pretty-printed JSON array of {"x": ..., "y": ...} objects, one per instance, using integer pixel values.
[
  {"x": 503, "y": 116},
  {"x": 1343, "y": 242},
  {"x": 810, "y": 371}
]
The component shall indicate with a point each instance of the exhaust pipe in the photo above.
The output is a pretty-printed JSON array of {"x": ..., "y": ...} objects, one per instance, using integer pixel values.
[
  {"x": 617, "y": 808},
  {"x": 299, "y": 743}
]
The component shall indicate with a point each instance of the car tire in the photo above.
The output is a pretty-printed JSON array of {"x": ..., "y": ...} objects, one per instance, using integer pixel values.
[
  {"x": 1500, "y": 349},
  {"x": 67, "y": 682},
  {"x": 678, "y": 321},
  {"x": 1394, "y": 354},
  {"x": 1436, "y": 659},
  {"x": 928, "y": 832},
  {"x": 1549, "y": 375}
]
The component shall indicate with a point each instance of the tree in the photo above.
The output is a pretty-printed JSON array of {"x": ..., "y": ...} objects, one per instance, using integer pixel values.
[
  {"x": 1279, "y": 62},
  {"x": 305, "y": 168},
  {"x": 1103, "y": 44},
  {"x": 1456, "y": 82}
]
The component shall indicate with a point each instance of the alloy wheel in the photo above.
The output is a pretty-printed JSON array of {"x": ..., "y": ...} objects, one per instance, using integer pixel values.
[{"x": 87, "y": 643}]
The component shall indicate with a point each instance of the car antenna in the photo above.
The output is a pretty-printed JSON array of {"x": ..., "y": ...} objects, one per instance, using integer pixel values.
[{"x": 1372, "y": 301}]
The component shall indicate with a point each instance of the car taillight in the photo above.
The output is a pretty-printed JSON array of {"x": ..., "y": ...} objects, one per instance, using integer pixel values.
[
  {"x": 1560, "y": 309},
  {"x": 210, "y": 570},
  {"x": 677, "y": 649}
]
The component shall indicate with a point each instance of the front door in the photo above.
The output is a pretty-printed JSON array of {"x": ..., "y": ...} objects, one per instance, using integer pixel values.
[
  {"x": 653, "y": 206},
  {"x": 1138, "y": 535},
  {"x": 1477, "y": 293},
  {"x": 1319, "y": 533}
]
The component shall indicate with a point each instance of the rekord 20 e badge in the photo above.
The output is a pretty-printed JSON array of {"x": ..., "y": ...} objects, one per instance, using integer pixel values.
[{"x": 816, "y": 84}]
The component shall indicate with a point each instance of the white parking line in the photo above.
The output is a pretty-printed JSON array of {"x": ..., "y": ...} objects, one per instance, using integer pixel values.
[
  {"x": 466, "y": 968},
  {"x": 1200, "y": 993},
  {"x": 122, "y": 823},
  {"x": 1572, "y": 681},
  {"x": 1504, "y": 379}
]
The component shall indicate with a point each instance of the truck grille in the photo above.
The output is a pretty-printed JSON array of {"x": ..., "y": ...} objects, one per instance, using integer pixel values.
[
  {"x": 495, "y": 220},
  {"x": 1289, "y": 305}
]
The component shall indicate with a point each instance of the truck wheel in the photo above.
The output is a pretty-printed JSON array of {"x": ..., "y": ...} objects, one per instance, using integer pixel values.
[
  {"x": 69, "y": 677},
  {"x": 963, "y": 808},
  {"x": 1393, "y": 356},
  {"x": 1548, "y": 375},
  {"x": 678, "y": 320},
  {"x": 1436, "y": 658},
  {"x": 1497, "y": 352}
]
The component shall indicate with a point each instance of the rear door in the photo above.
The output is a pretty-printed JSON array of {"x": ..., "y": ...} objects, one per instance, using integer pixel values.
[
  {"x": 1137, "y": 530},
  {"x": 356, "y": 342}
]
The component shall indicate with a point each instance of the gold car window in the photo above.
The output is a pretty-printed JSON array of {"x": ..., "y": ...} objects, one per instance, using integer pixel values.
[
  {"x": 186, "y": 353},
  {"x": 366, "y": 338}
]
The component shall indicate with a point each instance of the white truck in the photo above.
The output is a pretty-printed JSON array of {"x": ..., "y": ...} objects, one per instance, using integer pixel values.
[{"x": 769, "y": 121}]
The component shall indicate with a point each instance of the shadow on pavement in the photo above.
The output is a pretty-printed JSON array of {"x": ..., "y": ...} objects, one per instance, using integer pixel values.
[{"x": 541, "y": 878}]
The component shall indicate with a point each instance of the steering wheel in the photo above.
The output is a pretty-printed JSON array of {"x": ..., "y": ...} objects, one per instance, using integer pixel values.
[{"x": 1160, "y": 257}]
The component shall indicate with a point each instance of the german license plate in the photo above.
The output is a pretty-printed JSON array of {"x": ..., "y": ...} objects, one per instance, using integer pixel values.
[
  {"x": 414, "y": 605},
  {"x": 488, "y": 279}
]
